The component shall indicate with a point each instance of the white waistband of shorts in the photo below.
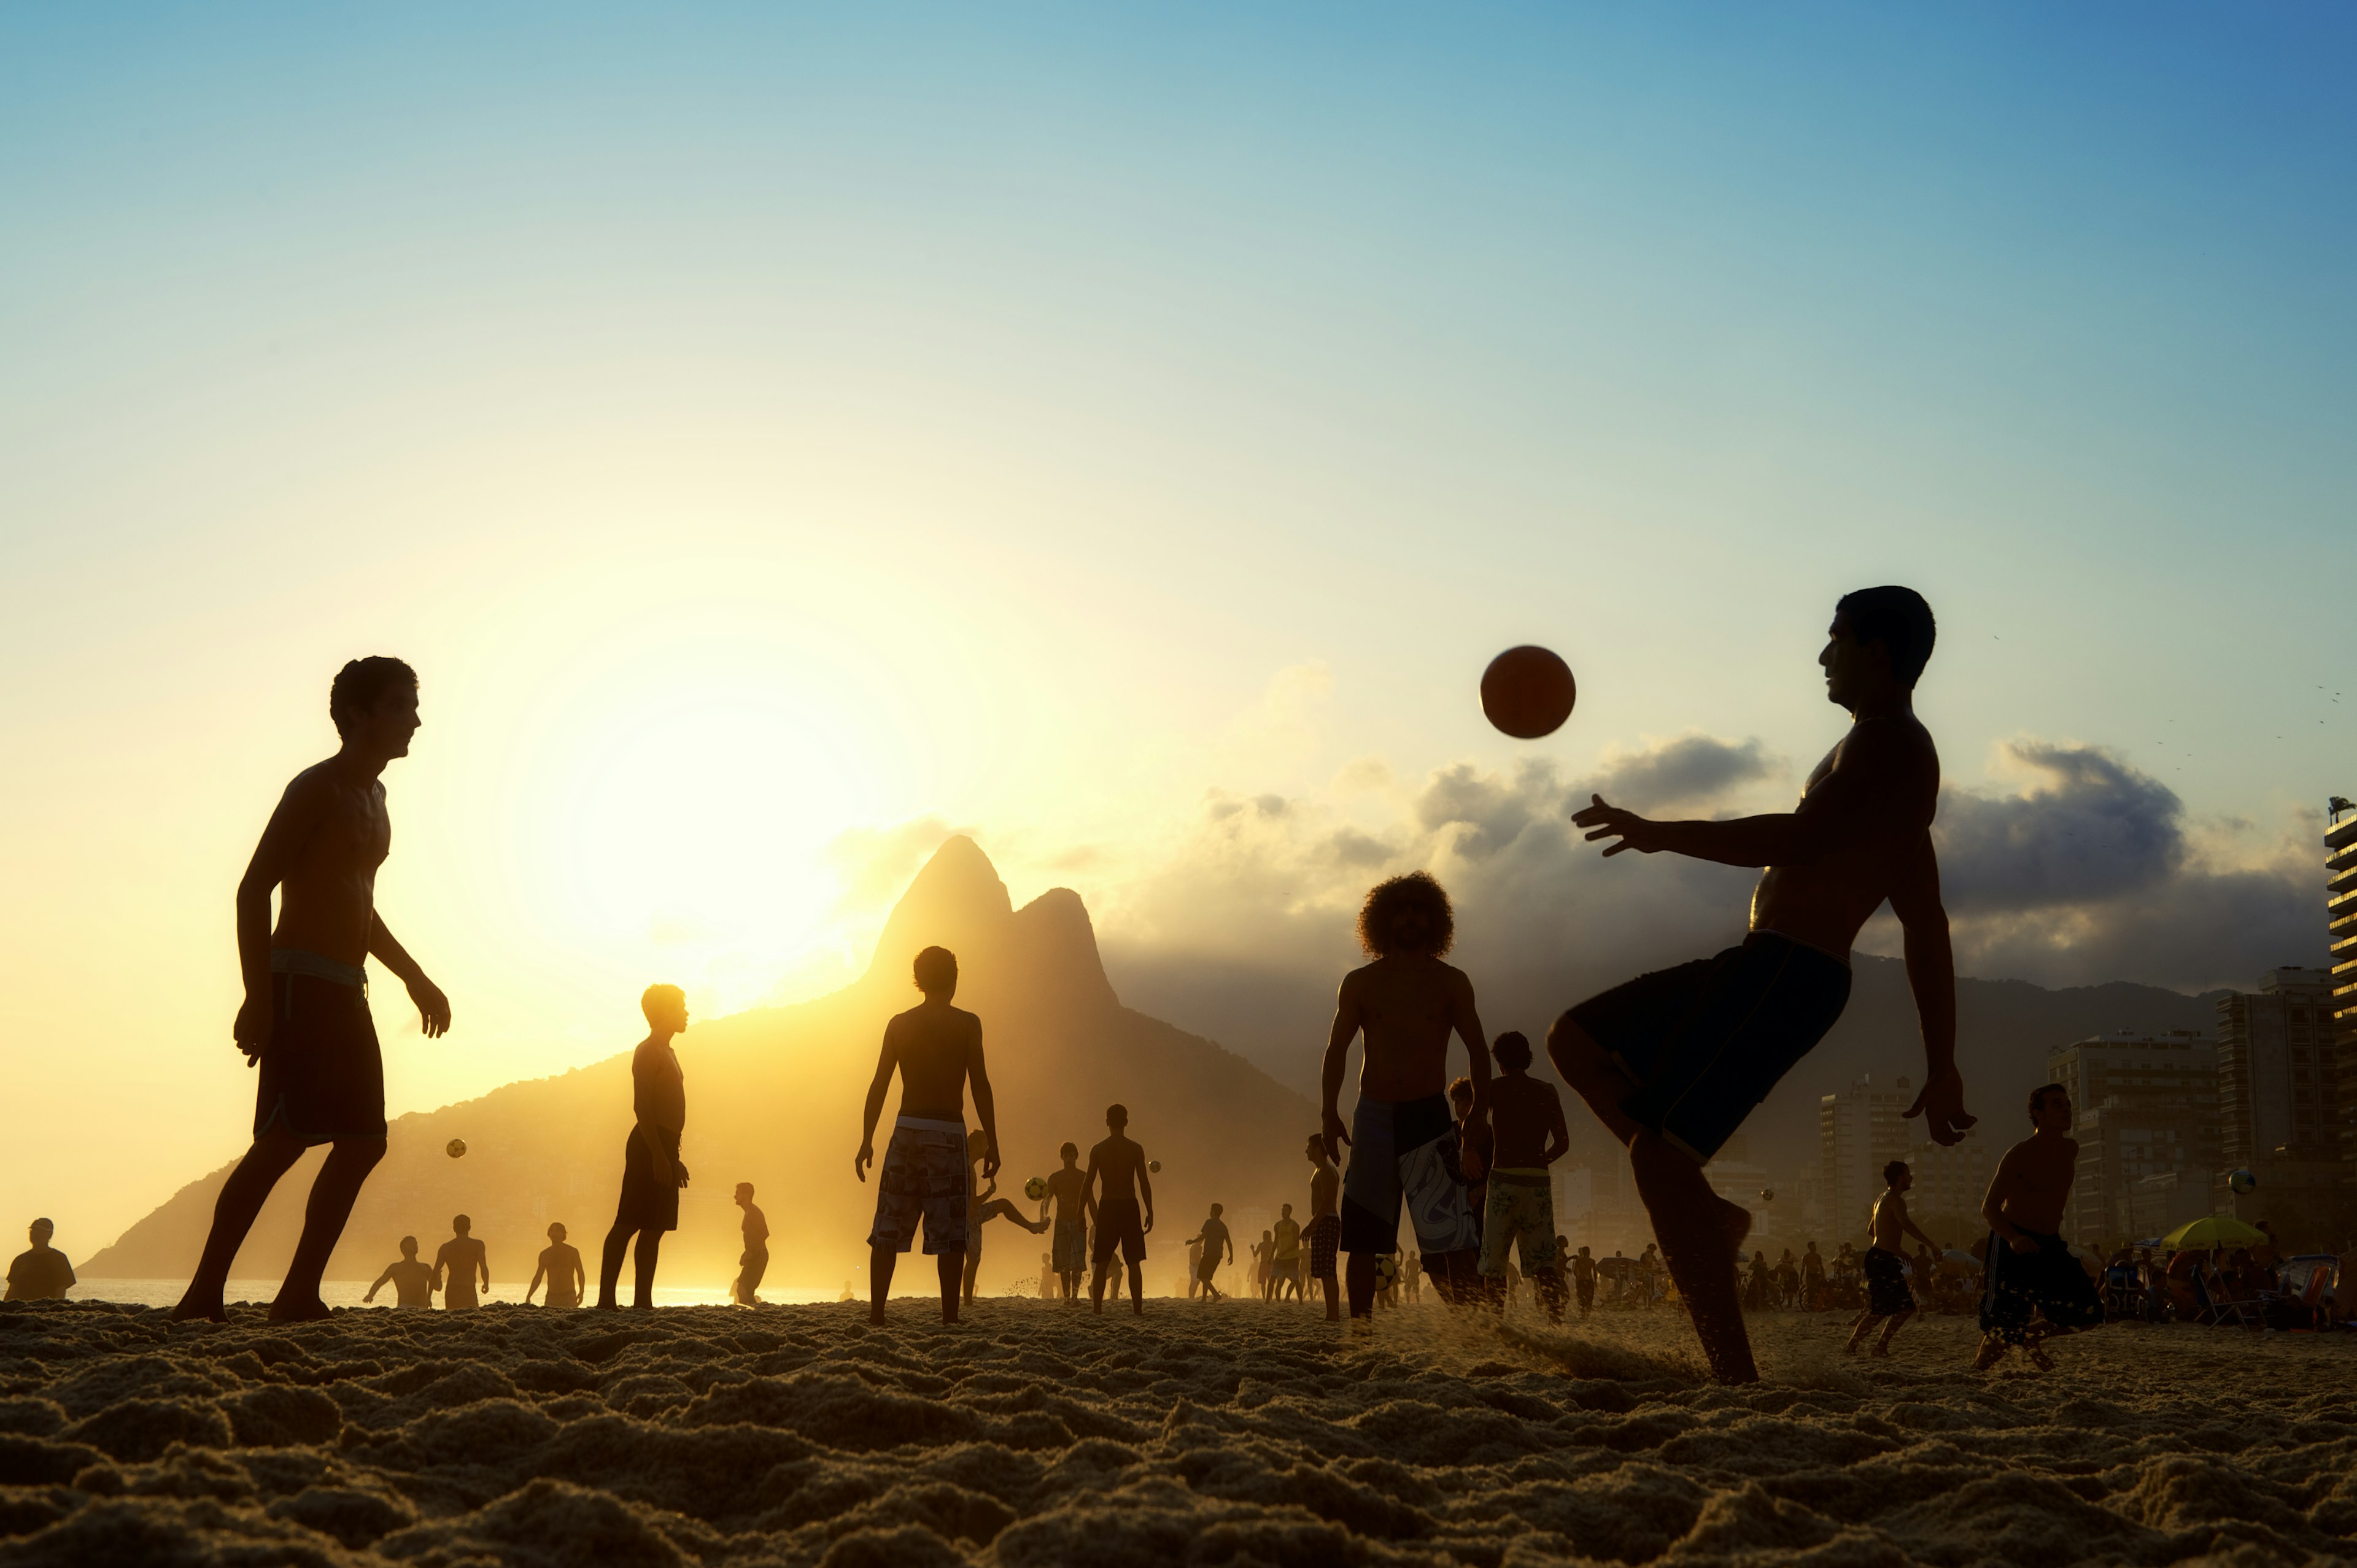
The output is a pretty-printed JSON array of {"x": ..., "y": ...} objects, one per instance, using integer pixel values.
[{"x": 927, "y": 1125}]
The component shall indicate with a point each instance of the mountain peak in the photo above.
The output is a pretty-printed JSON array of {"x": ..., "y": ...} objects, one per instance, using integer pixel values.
[{"x": 956, "y": 901}]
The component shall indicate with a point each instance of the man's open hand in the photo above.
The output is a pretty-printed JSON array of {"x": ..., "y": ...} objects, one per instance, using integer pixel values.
[
  {"x": 1609, "y": 822},
  {"x": 433, "y": 1007},
  {"x": 865, "y": 1157},
  {"x": 1333, "y": 1136},
  {"x": 1941, "y": 1106}
]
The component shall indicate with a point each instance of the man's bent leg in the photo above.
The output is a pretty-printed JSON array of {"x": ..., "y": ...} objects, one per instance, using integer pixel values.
[
  {"x": 241, "y": 1198},
  {"x": 1590, "y": 1070},
  {"x": 1897, "y": 1321},
  {"x": 880, "y": 1260},
  {"x": 1699, "y": 1239},
  {"x": 955, "y": 1267},
  {"x": 333, "y": 1194}
]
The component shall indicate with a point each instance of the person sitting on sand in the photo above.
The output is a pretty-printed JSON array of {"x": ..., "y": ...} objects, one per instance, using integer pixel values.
[
  {"x": 1118, "y": 1178},
  {"x": 1068, "y": 1190},
  {"x": 1887, "y": 1296},
  {"x": 1527, "y": 1130},
  {"x": 40, "y": 1273},
  {"x": 460, "y": 1262},
  {"x": 983, "y": 1204},
  {"x": 1287, "y": 1236},
  {"x": 412, "y": 1280},
  {"x": 652, "y": 1173},
  {"x": 937, "y": 1049},
  {"x": 560, "y": 1265},
  {"x": 1404, "y": 1142},
  {"x": 1325, "y": 1233},
  {"x": 754, "y": 1261},
  {"x": 1214, "y": 1237},
  {"x": 2030, "y": 1271},
  {"x": 1583, "y": 1280}
]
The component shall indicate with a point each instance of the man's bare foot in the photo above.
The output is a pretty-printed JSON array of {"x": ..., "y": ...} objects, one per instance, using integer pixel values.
[
  {"x": 192, "y": 1310},
  {"x": 301, "y": 1309},
  {"x": 1992, "y": 1351},
  {"x": 2038, "y": 1358},
  {"x": 876, "y": 1317},
  {"x": 1881, "y": 1348}
]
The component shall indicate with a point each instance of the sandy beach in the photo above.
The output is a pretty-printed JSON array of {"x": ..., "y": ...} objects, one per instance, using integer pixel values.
[{"x": 1037, "y": 1435}]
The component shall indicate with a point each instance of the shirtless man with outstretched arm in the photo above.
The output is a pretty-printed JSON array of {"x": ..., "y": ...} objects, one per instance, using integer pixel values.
[
  {"x": 1403, "y": 1140},
  {"x": 1673, "y": 1061},
  {"x": 936, "y": 1049},
  {"x": 304, "y": 1022}
]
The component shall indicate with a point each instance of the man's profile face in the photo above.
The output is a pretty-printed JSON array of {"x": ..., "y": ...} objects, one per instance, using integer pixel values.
[
  {"x": 2053, "y": 1114},
  {"x": 1850, "y": 666},
  {"x": 385, "y": 728}
]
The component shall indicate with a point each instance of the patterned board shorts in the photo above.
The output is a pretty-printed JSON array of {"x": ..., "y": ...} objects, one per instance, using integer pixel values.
[
  {"x": 1325, "y": 1234},
  {"x": 1519, "y": 1209},
  {"x": 1405, "y": 1153},
  {"x": 1071, "y": 1247},
  {"x": 923, "y": 1172}
]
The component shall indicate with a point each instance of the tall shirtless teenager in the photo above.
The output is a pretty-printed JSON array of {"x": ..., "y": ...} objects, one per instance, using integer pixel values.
[
  {"x": 1673, "y": 1061},
  {"x": 936, "y": 1049},
  {"x": 2035, "y": 1289},
  {"x": 1404, "y": 1142},
  {"x": 304, "y": 1022},
  {"x": 1118, "y": 1179}
]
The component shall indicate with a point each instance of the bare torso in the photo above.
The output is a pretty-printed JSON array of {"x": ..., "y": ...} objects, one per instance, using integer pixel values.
[
  {"x": 933, "y": 1043},
  {"x": 1405, "y": 1008},
  {"x": 1324, "y": 1188},
  {"x": 2034, "y": 1182},
  {"x": 1068, "y": 1189},
  {"x": 1889, "y": 1224},
  {"x": 329, "y": 893},
  {"x": 1522, "y": 1111},
  {"x": 1120, "y": 1166},
  {"x": 1823, "y": 903}
]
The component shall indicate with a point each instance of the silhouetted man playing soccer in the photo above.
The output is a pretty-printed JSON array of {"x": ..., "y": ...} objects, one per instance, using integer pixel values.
[
  {"x": 304, "y": 1022},
  {"x": 1673, "y": 1061}
]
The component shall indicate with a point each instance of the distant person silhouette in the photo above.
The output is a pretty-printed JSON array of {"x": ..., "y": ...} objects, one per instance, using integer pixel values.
[
  {"x": 2034, "y": 1289},
  {"x": 652, "y": 1173},
  {"x": 1583, "y": 1280},
  {"x": 1264, "y": 1264},
  {"x": 1672, "y": 1061},
  {"x": 1194, "y": 1268},
  {"x": 412, "y": 1280},
  {"x": 1068, "y": 1190},
  {"x": 1526, "y": 1124},
  {"x": 1325, "y": 1232},
  {"x": 1404, "y": 1143},
  {"x": 1813, "y": 1277},
  {"x": 40, "y": 1273},
  {"x": 1214, "y": 1237},
  {"x": 305, "y": 1021},
  {"x": 459, "y": 1263},
  {"x": 754, "y": 1261},
  {"x": 560, "y": 1265},
  {"x": 1286, "y": 1260},
  {"x": 936, "y": 1049},
  {"x": 1118, "y": 1179},
  {"x": 982, "y": 1207}
]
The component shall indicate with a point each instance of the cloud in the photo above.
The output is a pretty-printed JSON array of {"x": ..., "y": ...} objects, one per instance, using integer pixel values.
[{"x": 2093, "y": 829}]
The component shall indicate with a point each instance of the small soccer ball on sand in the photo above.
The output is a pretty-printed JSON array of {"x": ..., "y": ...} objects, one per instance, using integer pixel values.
[
  {"x": 1036, "y": 1188},
  {"x": 1528, "y": 692},
  {"x": 454, "y": 1147}
]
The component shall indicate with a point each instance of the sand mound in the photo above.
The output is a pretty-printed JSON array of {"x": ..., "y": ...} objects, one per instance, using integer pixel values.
[{"x": 1036, "y": 1436}]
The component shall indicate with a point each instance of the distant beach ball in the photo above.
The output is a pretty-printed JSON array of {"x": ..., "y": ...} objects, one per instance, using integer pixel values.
[
  {"x": 1528, "y": 692},
  {"x": 1035, "y": 1189},
  {"x": 1766, "y": 1194},
  {"x": 1154, "y": 1167},
  {"x": 2242, "y": 1181},
  {"x": 454, "y": 1147}
]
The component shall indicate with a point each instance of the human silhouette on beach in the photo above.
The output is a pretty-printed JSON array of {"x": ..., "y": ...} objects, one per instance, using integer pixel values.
[
  {"x": 1285, "y": 1258},
  {"x": 1673, "y": 1062},
  {"x": 560, "y": 1265},
  {"x": 1527, "y": 1135},
  {"x": 1123, "y": 1203},
  {"x": 2034, "y": 1289},
  {"x": 1404, "y": 1142},
  {"x": 305, "y": 1021},
  {"x": 982, "y": 1207},
  {"x": 1583, "y": 1280},
  {"x": 412, "y": 1280},
  {"x": 1214, "y": 1237},
  {"x": 1325, "y": 1232},
  {"x": 40, "y": 1271},
  {"x": 1068, "y": 1190},
  {"x": 652, "y": 1173},
  {"x": 456, "y": 1266},
  {"x": 936, "y": 1049},
  {"x": 754, "y": 1261},
  {"x": 1887, "y": 1296}
]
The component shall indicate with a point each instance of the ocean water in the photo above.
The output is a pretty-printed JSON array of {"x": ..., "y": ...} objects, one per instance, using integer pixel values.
[{"x": 348, "y": 1292}]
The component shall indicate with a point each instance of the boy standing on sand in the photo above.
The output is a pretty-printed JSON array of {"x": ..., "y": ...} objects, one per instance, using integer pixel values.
[
  {"x": 1325, "y": 1232},
  {"x": 754, "y": 1261},
  {"x": 412, "y": 1282},
  {"x": 460, "y": 1262},
  {"x": 653, "y": 1172},
  {"x": 1404, "y": 1142},
  {"x": 560, "y": 1265},
  {"x": 1117, "y": 1176},
  {"x": 305, "y": 1021},
  {"x": 1213, "y": 1237},
  {"x": 2030, "y": 1271},
  {"x": 936, "y": 1049},
  {"x": 1286, "y": 1269},
  {"x": 1887, "y": 1295},
  {"x": 1068, "y": 1189},
  {"x": 1528, "y": 1131}
]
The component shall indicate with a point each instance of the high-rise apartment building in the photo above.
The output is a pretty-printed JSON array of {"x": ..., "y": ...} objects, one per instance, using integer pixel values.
[
  {"x": 2341, "y": 924},
  {"x": 2276, "y": 1086},
  {"x": 1859, "y": 1133},
  {"x": 2148, "y": 1126}
]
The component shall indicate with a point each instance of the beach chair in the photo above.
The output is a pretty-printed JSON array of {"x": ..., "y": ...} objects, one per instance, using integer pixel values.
[{"x": 2221, "y": 1305}]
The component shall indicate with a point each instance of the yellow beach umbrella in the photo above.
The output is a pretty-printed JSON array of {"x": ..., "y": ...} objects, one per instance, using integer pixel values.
[{"x": 2217, "y": 1230}]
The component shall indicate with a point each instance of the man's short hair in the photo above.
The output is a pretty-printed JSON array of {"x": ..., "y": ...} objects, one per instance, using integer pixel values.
[
  {"x": 1117, "y": 1115},
  {"x": 1898, "y": 619},
  {"x": 1285, "y": 1209},
  {"x": 1407, "y": 916},
  {"x": 745, "y": 1188},
  {"x": 556, "y": 1231},
  {"x": 1072, "y": 1149},
  {"x": 1893, "y": 1171},
  {"x": 670, "y": 998},
  {"x": 1512, "y": 1049},
  {"x": 935, "y": 970},
  {"x": 361, "y": 684},
  {"x": 49, "y": 1225},
  {"x": 460, "y": 1222},
  {"x": 1460, "y": 1089},
  {"x": 2038, "y": 1097},
  {"x": 409, "y": 1243},
  {"x": 1215, "y": 1208}
]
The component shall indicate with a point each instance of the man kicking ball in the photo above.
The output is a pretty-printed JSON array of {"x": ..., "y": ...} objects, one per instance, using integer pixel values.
[{"x": 1673, "y": 1061}]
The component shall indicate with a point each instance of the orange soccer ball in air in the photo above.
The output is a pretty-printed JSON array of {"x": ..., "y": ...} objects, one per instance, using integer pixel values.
[{"x": 1528, "y": 692}]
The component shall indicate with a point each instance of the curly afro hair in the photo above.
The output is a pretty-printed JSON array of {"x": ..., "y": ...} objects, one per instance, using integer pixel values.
[{"x": 1407, "y": 917}]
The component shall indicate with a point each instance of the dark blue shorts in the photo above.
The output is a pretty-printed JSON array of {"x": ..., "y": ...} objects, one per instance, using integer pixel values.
[{"x": 1705, "y": 1042}]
